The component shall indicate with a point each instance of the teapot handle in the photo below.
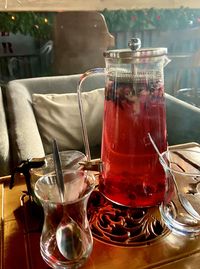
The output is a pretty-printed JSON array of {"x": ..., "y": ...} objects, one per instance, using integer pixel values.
[{"x": 81, "y": 110}]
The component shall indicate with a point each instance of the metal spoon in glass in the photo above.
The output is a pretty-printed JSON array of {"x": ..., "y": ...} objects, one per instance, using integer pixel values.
[
  {"x": 183, "y": 200},
  {"x": 69, "y": 236}
]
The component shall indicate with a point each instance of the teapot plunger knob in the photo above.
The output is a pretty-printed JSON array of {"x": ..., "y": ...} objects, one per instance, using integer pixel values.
[{"x": 134, "y": 44}]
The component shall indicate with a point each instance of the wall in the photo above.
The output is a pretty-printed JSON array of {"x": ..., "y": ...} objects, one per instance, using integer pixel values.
[{"x": 52, "y": 5}]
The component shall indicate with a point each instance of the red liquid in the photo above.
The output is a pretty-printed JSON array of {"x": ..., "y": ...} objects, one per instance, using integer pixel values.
[{"x": 132, "y": 175}]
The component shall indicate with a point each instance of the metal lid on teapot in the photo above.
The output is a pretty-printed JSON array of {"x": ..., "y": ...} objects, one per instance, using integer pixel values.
[{"x": 135, "y": 52}]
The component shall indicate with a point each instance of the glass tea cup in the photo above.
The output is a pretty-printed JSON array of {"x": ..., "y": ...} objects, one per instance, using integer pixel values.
[
  {"x": 181, "y": 207},
  {"x": 66, "y": 241},
  {"x": 70, "y": 159}
]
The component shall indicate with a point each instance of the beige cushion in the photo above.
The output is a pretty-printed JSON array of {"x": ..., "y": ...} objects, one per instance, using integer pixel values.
[{"x": 58, "y": 117}]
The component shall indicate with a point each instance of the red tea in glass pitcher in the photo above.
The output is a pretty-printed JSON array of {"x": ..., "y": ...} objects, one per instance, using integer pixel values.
[{"x": 132, "y": 174}]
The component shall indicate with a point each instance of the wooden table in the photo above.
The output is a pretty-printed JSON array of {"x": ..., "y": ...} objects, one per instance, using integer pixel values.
[{"x": 20, "y": 249}]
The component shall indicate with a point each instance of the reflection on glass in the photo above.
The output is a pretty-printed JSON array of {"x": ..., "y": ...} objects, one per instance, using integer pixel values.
[{"x": 25, "y": 50}]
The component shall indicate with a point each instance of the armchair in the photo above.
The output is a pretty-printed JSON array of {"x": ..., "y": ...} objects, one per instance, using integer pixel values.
[{"x": 25, "y": 137}]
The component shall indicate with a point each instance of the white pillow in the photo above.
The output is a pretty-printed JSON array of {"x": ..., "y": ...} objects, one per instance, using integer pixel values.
[{"x": 58, "y": 117}]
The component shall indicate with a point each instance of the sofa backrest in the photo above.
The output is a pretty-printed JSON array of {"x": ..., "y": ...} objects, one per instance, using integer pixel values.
[
  {"x": 183, "y": 121},
  {"x": 79, "y": 41}
]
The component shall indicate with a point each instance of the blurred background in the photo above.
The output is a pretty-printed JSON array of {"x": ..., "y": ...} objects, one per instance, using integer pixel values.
[{"x": 37, "y": 43}]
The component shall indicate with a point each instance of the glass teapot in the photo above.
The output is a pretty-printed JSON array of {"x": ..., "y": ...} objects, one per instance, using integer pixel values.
[{"x": 134, "y": 107}]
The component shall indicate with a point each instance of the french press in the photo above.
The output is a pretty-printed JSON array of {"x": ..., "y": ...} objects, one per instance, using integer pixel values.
[{"x": 134, "y": 107}]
